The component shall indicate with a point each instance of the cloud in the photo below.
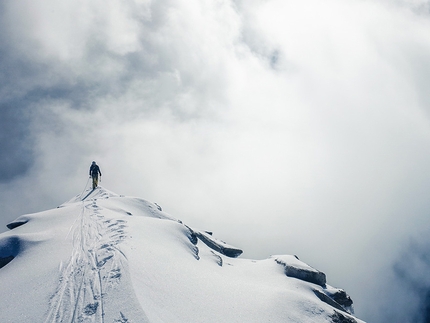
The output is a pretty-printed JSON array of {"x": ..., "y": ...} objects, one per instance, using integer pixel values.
[
  {"x": 16, "y": 153},
  {"x": 283, "y": 127},
  {"x": 406, "y": 286}
]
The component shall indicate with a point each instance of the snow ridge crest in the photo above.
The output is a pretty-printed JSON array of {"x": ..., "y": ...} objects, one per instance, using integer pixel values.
[{"x": 104, "y": 257}]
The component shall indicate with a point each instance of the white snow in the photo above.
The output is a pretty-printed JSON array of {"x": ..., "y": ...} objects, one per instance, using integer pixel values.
[{"x": 117, "y": 259}]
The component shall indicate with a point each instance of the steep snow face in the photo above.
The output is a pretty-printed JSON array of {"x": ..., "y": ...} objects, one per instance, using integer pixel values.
[{"x": 102, "y": 257}]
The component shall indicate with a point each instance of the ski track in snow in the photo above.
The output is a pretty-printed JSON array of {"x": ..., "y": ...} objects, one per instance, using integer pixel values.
[{"x": 94, "y": 268}]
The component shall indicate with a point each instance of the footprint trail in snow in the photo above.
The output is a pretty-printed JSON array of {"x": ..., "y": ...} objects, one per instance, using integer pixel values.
[{"x": 94, "y": 285}]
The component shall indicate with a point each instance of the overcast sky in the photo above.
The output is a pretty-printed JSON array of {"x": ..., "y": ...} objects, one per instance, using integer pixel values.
[{"x": 286, "y": 127}]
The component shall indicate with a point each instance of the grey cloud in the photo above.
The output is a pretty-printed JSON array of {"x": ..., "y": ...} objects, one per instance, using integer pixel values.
[
  {"x": 411, "y": 272},
  {"x": 16, "y": 151},
  {"x": 103, "y": 72},
  {"x": 283, "y": 127},
  {"x": 87, "y": 71},
  {"x": 16, "y": 155}
]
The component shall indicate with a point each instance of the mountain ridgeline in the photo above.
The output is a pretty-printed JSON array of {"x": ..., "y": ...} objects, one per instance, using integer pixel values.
[{"x": 106, "y": 258}]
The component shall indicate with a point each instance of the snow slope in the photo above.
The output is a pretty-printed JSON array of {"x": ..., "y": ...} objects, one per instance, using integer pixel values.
[{"x": 116, "y": 259}]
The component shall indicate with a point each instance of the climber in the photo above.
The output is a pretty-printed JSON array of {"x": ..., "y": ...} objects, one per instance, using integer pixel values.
[{"x": 94, "y": 173}]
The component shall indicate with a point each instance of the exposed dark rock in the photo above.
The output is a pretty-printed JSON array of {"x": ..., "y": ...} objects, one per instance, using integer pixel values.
[
  {"x": 195, "y": 251},
  {"x": 341, "y": 297},
  {"x": 326, "y": 299},
  {"x": 217, "y": 245},
  {"x": 337, "y": 298},
  {"x": 193, "y": 239},
  {"x": 303, "y": 274},
  {"x": 158, "y": 207},
  {"x": 16, "y": 224},
  {"x": 338, "y": 317},
  {"x": 308, "y": 273},
  {"x": 192, "y": 236},
  {"x": 218, "y": 258}
]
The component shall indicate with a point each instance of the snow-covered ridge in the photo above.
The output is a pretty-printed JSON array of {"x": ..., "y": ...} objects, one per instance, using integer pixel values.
[{"x": 103, "y": 257}]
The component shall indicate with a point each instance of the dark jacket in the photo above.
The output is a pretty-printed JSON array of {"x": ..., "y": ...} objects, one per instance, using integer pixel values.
[{"x": 95, "y": 171}]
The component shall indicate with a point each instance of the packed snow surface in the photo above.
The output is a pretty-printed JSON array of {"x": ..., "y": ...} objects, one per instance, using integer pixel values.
[{"x": 102, "y": 257}]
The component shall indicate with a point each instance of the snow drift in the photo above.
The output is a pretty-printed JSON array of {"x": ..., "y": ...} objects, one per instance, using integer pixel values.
[{"x": 102, "y": 257}]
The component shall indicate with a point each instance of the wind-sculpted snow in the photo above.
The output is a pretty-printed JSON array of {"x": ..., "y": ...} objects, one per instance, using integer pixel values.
[{"x": 106, "y": 258}]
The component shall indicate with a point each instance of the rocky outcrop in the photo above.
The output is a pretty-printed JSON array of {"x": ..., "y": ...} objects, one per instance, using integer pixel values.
[
  {"x": 326, "y": 299},
  {"x": 293, "y": 267},
  {"x": 217, "y": 245},
  {"x": 334, "y": 297},
  {"x": 15, "y": 224},
  {"x": 338, "y": 317},
  {"x": 340, "y": 297}
]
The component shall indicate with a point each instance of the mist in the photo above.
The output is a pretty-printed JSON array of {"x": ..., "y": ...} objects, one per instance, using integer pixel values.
[{"x": 283, "y": 127}]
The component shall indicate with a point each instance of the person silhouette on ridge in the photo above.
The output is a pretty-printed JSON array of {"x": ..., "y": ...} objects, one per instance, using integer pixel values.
[{"x": 94, "y": 173}]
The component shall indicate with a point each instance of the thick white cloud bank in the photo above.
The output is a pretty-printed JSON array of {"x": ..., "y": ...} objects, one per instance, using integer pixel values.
[{"x": 311, "y": 115}]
